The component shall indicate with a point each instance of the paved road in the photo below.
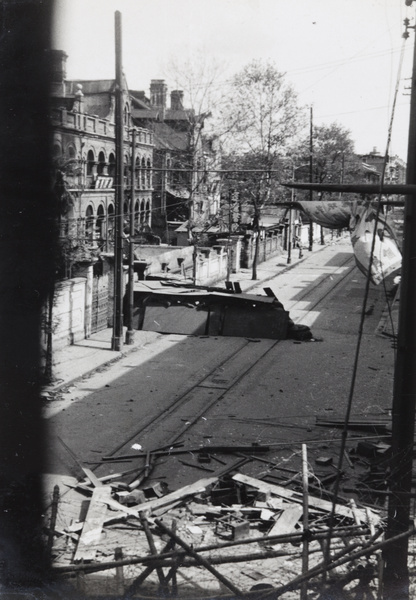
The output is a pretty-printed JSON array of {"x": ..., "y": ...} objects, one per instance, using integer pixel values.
[{"x": 232, "y": 390}]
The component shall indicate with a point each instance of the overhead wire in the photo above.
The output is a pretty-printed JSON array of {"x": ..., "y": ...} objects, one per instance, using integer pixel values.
[{"x": 362, "y": 317}]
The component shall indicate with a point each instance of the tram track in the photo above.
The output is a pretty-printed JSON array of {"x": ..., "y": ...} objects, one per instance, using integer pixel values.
[
  {"x": 217, "y": 386},
  {"x": 310, "y": 291}
]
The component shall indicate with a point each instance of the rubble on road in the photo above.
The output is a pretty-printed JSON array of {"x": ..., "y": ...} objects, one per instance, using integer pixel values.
[{"x": 228, "y": 533}]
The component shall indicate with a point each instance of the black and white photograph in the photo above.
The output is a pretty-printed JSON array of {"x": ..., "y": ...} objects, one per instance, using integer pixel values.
[{"x": 208, "y": 299}]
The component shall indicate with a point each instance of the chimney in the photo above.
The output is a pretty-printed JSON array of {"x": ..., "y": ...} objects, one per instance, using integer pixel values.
[
  {"x": 158, "y": 92},
  {"x": 176, "y": 100},
  {"x": 58, "y": 65}
]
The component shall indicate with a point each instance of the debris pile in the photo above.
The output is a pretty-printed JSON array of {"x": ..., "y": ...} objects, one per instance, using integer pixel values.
[{"x": 228, "y": 534}]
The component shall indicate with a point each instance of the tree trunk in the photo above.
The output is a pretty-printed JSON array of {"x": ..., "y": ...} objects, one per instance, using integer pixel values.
[{"x": 256, "y": 255}]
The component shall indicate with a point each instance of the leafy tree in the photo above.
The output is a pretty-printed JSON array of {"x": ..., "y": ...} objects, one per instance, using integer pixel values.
[
  {"x": 262, "y": 116},
  {"x": 333, "y": 158}
]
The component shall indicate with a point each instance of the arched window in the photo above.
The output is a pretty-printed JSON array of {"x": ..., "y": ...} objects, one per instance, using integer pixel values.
[
  {"x": 57, "y": 151},
  {"x": 110, "y": 222},
  {"x": 71, "y": 152},
  {"x": 112, "y": 165},
  {"x": 149, "y": 173},
  {"x": 137, "y": 172},
  {"x": 126, "y": 115},
  {"x": 90, "y": 162},
  {"x": 101, "y": 163},
  {"x": 142, "y": 212},
  {"x": 89, "y": 224},
  {"x": 143, "y": 173},
  {"x": 136, "y": 214},
  {"x": 147, "y": 216},
  {"x": 100, "y": 223},
  {"x": 126, "y": 169}
]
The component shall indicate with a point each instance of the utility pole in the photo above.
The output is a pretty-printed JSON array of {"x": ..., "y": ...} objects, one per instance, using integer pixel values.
[
  {"x": 311, "y": 176},
  {"x": 117, "y": 339},
  {"x": 130, "y": 304},
  {"x": 230, "y": 222},
  {"x": 396, "y": 575},
  {"x": 290, "y": 236}
]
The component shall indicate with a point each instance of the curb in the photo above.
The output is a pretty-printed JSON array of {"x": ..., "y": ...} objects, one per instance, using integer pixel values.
[
  {"x": 129, "y": 348},
  {"x": 51, "y": 388},
  {"x": 284, "y": 269}
]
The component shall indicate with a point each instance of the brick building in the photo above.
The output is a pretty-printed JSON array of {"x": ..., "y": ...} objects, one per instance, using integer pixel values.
[
  {"x": 186, "y": 186},
  {"x": 83, "y": 124}
]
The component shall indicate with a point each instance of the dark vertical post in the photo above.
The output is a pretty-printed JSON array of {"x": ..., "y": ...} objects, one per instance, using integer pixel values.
[
  {"x": 164, "y": 182},
  {"x": 396, "y": 576},
  {"x": 311, "y": 176},
  {"x": 230, "y": 220},
  {"x": 130, "y": 304},
  {"x": 117, "y": 339},
  {"x": 290, "y": 237}
]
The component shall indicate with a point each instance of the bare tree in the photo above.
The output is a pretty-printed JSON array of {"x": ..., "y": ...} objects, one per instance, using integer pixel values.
[
  {"x": 262, "y": 115},
  {"x": 197, "y": 80}
]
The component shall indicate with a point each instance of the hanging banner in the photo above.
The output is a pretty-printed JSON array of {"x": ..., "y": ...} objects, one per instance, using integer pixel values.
[
  {"x": 361, "y": 218},
  {"x": 335, "y": 214},
  {"x": 387, "y": 257}
]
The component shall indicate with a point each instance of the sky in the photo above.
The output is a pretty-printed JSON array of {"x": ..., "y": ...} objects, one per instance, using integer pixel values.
[{"x": 341, "y": 56}]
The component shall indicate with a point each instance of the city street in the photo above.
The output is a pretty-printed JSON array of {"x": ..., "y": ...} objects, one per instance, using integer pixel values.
[
  {"x": 205, "y": 390},
  {"x": 231, "y": 397}
]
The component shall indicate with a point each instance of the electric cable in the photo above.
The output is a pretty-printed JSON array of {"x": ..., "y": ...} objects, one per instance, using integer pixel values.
[{"x": 362, "y": 319}]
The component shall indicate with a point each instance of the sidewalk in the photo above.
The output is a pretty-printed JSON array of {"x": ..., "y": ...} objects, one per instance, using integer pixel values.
[{"x": 83, "y": 358}]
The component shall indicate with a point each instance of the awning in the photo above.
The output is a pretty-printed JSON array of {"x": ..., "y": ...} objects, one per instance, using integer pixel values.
[{"x": 178, "y": 192}]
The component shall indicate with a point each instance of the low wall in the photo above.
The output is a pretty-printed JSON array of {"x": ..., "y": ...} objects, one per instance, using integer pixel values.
[
  {"x": 211, "y": 262},
  {"x": 211, "y": 265},
  {"x": 270, "y": 245},
  {"x": 164, "y": 258},
  {"x": 69, "y": 312}
]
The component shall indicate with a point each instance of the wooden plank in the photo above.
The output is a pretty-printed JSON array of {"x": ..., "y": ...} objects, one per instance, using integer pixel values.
[
  {"x": 93, "y": 478},
  {"x": 188, "y": 490},
  {"x": 313, "y": 502},
  {"x": 287, "y": 520},
  {"x": 93, "y": 524}
]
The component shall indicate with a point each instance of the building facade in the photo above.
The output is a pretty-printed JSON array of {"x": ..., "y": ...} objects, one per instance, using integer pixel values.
[
  {"x": 83, "y": 125},
  {"x": 186, "y": 178}
]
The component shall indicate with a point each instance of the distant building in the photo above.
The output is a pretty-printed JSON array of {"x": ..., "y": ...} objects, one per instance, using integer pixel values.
[
  {"x": 186, "y": 184},
  {"x": 395, "y": 168}
]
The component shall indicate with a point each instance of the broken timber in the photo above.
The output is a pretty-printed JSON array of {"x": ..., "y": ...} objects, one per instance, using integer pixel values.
[
  {"x": 91, "y": 531},
  {"x": 313, "y": 502}
]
